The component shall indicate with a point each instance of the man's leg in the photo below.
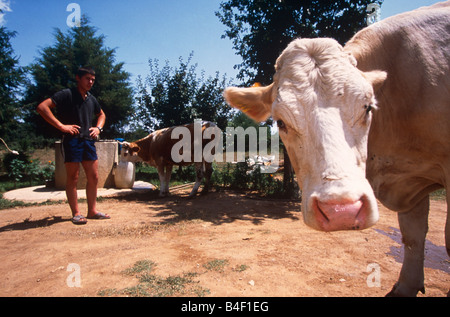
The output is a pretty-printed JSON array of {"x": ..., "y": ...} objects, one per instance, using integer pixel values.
[
  {"x": 72, "y": 172},
  {"x": 91, "y": 171}
]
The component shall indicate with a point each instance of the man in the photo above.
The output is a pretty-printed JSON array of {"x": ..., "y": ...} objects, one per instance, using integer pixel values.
[{"x": 75, "y": 111}]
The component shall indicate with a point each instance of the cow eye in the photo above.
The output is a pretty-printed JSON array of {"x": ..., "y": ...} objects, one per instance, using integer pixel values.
[
  {"x": 281, "y": 125},
  {"x": 368, "y": 108}
]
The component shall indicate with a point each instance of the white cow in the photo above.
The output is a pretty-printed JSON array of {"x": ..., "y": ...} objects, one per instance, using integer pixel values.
[{"x": 377, "y": 108}]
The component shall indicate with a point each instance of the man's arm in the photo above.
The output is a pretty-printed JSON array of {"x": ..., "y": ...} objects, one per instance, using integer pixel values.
[
  {"x": 44, "y": 109},
  {"x": 101, "y": 118}
]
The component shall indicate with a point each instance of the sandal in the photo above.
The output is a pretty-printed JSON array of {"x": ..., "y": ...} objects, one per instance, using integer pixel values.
[
  {"x": 99, "y": 216},
  {"x": 79, "y": 220}
]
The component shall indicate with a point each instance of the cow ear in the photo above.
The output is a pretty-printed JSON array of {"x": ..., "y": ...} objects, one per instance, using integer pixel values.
[
  {"x": 376, "y": 78},
  {"x": 255, "y": 102}
]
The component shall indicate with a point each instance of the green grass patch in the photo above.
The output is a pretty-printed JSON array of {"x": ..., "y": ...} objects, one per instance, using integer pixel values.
[
  {"x": 216, "y": 265},
  {"x": 152, "y": 285}
]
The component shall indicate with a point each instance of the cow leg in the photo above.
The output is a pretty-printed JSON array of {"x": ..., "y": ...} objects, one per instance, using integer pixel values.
[
  {"x": 161, "y": 181},
  {"x": 414, "y": 228},
  {"x": 207, "y": 173},
  {"x": 198, "y": 180},
  {"x": 167, "y": 176},
  {"x": 164, "y": 179}
]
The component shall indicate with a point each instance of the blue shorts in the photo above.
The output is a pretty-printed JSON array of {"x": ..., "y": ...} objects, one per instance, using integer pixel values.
[{"x": 77, "y": 150}]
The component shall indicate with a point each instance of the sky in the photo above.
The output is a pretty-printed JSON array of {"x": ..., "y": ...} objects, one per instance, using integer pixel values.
[{"x": 140, "y": 30}]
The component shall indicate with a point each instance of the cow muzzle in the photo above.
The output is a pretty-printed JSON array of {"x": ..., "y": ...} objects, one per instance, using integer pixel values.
[{"x": 342, "y": 215}]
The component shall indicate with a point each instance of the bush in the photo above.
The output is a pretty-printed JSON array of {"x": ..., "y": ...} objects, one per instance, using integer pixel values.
[
  {"x": 267, "y": 184},
  {"x": 241, "y": 176},
  {"x": 21, "y": 168}
]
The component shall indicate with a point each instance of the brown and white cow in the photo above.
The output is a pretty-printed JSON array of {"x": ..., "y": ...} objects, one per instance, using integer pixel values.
[
  {"x": 163, "y": 149},
  {"x": 371, "y": 119}
]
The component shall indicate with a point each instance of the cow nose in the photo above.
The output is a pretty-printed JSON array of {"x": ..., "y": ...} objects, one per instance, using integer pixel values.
[{"x": 341, "y": 215}]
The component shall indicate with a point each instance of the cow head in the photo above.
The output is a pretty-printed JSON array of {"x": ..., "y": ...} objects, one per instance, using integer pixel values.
[
  {"x": 130, "y": 152},
  {"x": 323, "y": 106}
]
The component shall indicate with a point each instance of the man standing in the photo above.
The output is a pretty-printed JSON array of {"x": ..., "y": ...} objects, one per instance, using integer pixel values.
[{"x": 76, "y": 109}]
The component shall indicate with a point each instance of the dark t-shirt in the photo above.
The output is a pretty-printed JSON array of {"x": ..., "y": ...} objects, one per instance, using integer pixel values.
[{"x": 72, "y": 109}]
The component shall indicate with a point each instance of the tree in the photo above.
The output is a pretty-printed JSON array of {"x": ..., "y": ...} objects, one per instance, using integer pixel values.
[
  {"x": 261, "y": 29},
  {"x": 11, "y": 79},
  {"x": 208, "y": 103},
  {"x": 163, "y": 98},
  {"x": 55, "y": 69},
  {"x": 175, "y": 96}
]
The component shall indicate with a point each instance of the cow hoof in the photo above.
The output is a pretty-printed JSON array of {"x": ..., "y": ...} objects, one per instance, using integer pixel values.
[
  {"x": 394, "y": 293},
  {"x": 398, "y": 291}
]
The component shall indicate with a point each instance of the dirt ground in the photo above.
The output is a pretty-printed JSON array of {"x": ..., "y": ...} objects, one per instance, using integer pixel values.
[{"x": 266, "y": 249}]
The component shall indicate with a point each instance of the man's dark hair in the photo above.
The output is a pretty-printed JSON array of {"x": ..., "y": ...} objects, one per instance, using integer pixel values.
[{"x": 85, "y": 70}]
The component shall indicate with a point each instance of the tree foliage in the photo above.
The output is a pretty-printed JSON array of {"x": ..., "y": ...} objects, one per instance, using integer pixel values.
[
  {"x": 11, "y": 79},
  {"x": 261, "y": 29},
  {"x": 56, "y": 67},
  {"x": 177, "y": 95}
]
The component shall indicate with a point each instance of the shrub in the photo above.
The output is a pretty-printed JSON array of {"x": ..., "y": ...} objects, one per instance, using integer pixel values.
[
  {"x": 241, "y": 176},
  {"x": 21, "y": 168}
]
